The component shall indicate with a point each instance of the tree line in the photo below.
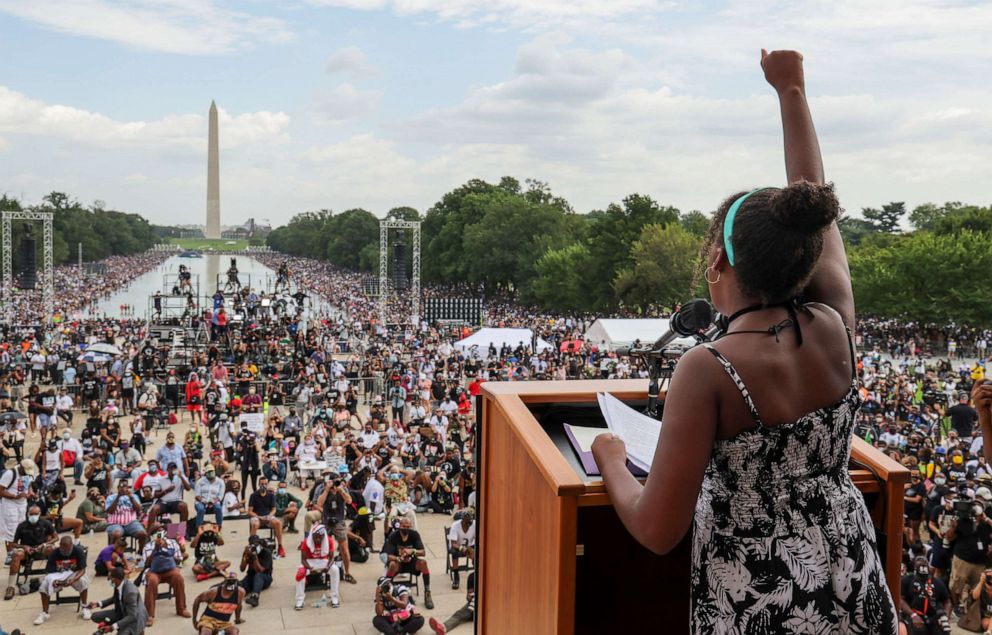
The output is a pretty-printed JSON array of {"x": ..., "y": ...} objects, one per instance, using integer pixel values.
[
  {"x": 926, "y": 265},
  {"x": 102, "y": 232}
]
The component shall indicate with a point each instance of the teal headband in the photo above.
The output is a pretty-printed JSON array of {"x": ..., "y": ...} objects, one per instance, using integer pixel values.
[{"x": 728, "y": 224}]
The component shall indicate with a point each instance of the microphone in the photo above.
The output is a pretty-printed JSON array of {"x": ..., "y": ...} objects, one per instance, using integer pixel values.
[{"x": 689, "y": 321}]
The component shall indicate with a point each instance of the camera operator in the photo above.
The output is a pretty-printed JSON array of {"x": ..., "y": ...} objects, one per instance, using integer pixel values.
[
  {"x": 162, "y": 557},
  {"x": 332, "y": 504},
  {"x": 442, "y": 496},
  {"x": 941, "y": 549},
  {"x": 256, "y": 562},
  {"x": 982, "y": 594},
  {"x": 395, "y": 612},
  {"x": 925, "y": 601},
  {"x": 971, "y": 532},
  {"x": 464, "y": 615},
  {"x": 405, "y": 552}
]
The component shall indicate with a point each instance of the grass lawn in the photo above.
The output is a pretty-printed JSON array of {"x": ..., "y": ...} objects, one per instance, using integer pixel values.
[{"x": 203, "y": 244}]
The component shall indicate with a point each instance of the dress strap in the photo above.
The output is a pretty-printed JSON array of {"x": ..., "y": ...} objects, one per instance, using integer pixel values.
[
  {"x": 854, "y": 358},
  {"x": 727, "y": 366}
]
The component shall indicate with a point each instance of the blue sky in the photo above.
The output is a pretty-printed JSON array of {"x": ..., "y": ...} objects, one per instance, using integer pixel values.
[{"x": 379, "y": 103}]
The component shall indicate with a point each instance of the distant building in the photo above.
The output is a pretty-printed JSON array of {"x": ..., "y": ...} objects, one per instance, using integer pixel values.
[{"x": 251, "y": 229}]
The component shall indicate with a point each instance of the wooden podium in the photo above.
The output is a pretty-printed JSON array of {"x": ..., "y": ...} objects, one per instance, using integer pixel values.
[{"x": 553, "y": 556}]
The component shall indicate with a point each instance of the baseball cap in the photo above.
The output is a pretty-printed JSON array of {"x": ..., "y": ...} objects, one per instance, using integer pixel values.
[{"x": 984, "y": 493}]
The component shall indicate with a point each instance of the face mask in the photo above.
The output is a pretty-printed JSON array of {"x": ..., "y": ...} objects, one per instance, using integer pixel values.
[
  {"x": 211, "y": 477},
  {"x": 978, "y": 509},
  {"x": 922, "y": 571},
  {"x": 153, "y": 468},
  {"x": 33, "y": 518},
  {"x": 940, "y": 480},
  {"x": 66, "y": 436},
  {"x": 281, "y": 491}
]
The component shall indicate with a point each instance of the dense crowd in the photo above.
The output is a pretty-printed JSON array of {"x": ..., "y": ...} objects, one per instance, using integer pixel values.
[
  {"x": 341, "y": 429},
  {"x": 77, "y": 291}
]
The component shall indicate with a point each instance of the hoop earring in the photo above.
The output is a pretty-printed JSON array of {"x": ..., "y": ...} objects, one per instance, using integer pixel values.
[{"x": 706, "y": 275}]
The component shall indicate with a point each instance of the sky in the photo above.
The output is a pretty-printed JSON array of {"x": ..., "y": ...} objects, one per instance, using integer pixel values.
[{"x": 382, "y": 103}]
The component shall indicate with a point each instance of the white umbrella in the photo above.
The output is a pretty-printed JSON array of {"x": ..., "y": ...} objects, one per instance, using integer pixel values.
[
  {"x": 94, "y": 357},
  {"x": 103, "y": 347}
]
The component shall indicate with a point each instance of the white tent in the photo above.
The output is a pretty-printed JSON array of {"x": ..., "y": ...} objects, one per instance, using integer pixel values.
[
  {"x": 613, "y": 334},
  {"x": 477, "y": 344}
]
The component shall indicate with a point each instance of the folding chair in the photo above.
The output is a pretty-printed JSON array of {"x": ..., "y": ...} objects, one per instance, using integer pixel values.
[
  {"x": 32, "y": 567},
  {"x": 449, "y": 567}
]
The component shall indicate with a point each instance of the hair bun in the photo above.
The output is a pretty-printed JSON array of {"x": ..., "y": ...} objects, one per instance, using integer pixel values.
[{"x": 805, "y": 207}]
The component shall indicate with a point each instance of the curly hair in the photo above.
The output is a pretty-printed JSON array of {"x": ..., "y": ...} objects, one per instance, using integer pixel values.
[{"x": 777, "y": 238}]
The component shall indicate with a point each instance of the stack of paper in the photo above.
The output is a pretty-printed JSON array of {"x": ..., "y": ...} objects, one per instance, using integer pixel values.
[{"x": 638, "y": 431}]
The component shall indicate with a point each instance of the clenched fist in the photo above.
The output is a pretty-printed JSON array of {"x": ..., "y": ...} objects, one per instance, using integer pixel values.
[{"x": 783, "y": 69}]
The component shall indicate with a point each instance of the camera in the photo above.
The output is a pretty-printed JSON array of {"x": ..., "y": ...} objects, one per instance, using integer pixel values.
[{"x": 386, "y": 586}]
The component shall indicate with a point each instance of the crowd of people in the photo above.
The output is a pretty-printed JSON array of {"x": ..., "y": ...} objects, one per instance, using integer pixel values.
[
  {"x": 328, "y": 433},
  {"x": 78, "y": 292}
]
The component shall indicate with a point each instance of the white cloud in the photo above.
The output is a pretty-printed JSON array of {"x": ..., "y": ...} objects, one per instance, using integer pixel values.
[
  {"x": 345, "y": 102},
  {"x": 352, "y": 61},
  {"x": 516, "y": 13},
  {"x": 22, "y": 115},
  {"x": 136, "y": 178},
  {"x": 195, "y": 27}
]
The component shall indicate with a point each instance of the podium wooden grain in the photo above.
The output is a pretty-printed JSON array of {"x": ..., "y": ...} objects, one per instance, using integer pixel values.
[{"x": 553, "y": 556}]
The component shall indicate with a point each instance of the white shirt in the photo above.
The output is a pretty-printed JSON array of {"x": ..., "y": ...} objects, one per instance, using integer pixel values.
[
  {"x": 459, "y": 536},
  {"x": 63, "y": 403},
  {"x": 373, "y": 494},
  {"x": 369, "y": 439}
]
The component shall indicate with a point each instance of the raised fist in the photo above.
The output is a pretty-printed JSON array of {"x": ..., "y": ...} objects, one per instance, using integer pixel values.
[{"x": 783, "y": 69}]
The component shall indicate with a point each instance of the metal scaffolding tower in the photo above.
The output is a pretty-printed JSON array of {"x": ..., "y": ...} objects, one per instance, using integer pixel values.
[
  {"x": 48, "y": 274},
  {"x": 384, "y": 227}
]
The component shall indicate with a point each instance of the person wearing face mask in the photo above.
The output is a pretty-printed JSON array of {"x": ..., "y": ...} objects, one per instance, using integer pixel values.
[
  {"x": 924, "y": 601},
  {"x": 405, "y": 554},
  {"x": 128, "y": 615},
  {"x": 288, "y": 507},
  {"x": 223, "y": 602},
  {"x": 34, "y": 538},
  {"x": 261, "y": 513},
  {"x": 171, "y": 499},
  {"x": 72, "y": 454},
  {"x": 209, "y": 492},
  {"x": 15, "y": 489},
  {"x": 972, "y": 537},
  {"x": 956, "y": 470},
  {"x": 913, "y": 505},
  {"x": 91, "y": 512}
]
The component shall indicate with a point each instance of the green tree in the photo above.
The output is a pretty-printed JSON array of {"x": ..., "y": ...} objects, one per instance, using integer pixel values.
[
  {"x": 885, "y": 219},
  {"x": 925, "y": 277},
  {"x": 349, "y": 232},
  {"x": 403, "y": 213},
  {"x": 696, "y": 223},
  {"x": 559, "y": 282},
  {"x": 855, "y": 230},
  {"x": 610, "y": 237},
  {"x": 665, "y": 258}
]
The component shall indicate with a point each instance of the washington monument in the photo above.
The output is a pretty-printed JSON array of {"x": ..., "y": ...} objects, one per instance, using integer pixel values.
[{"x": 213, "y": 178}]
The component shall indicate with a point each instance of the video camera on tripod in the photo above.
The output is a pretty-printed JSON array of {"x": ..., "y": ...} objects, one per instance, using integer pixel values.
[{"x": 695, "y": 319}]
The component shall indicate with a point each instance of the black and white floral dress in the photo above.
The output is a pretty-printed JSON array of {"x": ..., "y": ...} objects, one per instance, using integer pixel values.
[{"x": 783, "y": 542}]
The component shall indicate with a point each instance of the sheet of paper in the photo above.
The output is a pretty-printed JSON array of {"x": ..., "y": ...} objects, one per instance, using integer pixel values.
[
  {"x": 639, "y": 432},
  {"x": 585, "y": 435}
]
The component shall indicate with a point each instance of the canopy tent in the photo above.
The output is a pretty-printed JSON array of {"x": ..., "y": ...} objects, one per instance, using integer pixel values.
[
  {"x": 611, "y": 334},
  {"x": 477, "y": 344}
]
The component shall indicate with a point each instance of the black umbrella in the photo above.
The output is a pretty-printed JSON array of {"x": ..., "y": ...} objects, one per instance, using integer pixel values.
[{"x": 13, "y": 415}]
